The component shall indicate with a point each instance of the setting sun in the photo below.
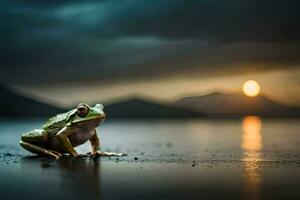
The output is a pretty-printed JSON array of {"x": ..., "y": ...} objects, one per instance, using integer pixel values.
[{"x": 251, "y": 88}]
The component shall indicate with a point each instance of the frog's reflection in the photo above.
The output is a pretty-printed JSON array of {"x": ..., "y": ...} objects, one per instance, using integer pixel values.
[
  {"x": 77, "y": 178},
  {"x": 84, "y": 176},
  {"x": 252, "y": 145}
]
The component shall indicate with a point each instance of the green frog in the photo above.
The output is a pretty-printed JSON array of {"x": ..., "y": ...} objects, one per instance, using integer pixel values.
[{"x": 63, "y": 132}]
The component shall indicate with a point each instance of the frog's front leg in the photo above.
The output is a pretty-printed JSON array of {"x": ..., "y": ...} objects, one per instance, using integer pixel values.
[
  {"x": 96, "y": 149},
  {"x": 64, "y": 141}
]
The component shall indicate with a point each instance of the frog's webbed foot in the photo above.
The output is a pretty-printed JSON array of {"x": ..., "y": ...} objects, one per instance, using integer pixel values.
[{"x": 102, "y": 153}]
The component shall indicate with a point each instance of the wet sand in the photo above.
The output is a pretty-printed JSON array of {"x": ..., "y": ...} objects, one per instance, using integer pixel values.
[{"x": 248, "y": 160}]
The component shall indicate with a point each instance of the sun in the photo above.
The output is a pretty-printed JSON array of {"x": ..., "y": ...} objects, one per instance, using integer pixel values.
[{"x": 251, "y": 88}]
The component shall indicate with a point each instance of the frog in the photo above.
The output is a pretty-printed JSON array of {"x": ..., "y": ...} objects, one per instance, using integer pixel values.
[{"x": 65, "y": 131}]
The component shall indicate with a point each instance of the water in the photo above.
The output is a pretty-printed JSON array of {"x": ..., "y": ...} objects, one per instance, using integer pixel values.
[{"x": 249, "y": 158}]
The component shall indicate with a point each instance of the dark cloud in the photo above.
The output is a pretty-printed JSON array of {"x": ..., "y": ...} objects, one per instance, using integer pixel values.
[{"x": 69, "y": 40}]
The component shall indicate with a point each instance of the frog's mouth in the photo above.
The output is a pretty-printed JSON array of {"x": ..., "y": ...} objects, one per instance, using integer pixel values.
[
  {"x": 91, "y": 122},
  {"x": 95, "y": 119}
]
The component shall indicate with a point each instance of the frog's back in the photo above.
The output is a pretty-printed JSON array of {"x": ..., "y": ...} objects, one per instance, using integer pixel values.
[{"x": 56, "y": 123}]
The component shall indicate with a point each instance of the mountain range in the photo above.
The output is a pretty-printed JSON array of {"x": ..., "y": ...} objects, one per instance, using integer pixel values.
[
  {"x": 212, "y": 105},
  {"x": 236, "y": 104},
  {"x": 16, "y": 104},
  {"x": 140, "y": 108}
]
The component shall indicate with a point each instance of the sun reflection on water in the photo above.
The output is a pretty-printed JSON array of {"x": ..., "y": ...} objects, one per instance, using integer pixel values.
[
  {"x": 251, "y": 145},
  {"x": 252, "y": 139}
]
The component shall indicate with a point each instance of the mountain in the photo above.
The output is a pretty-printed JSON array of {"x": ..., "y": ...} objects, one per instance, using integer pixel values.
[
  {"x": 215, "y": 105},
  {"x": 231, "y": 105},
  {"x": 138, "y": 108},
  {"x": 13, "y": 103}
]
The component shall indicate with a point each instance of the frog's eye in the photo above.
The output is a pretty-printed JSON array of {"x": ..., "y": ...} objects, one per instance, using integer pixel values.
[{"x": 82, "y": 110}]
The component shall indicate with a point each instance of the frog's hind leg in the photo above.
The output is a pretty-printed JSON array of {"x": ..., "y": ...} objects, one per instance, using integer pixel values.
[
  {"x": 35, "y": 141},
  {"x": 39, "y": 150}
]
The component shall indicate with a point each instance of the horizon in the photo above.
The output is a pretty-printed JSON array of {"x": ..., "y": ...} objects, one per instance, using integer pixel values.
[
  {"x": 86, "y": 91},
  {"x": 150, "y": 99}
]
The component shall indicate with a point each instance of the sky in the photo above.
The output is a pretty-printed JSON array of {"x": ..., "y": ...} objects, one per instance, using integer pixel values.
[{"x": 69, "y": 51}]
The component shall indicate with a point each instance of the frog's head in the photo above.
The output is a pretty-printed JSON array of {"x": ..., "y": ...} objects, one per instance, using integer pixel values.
[{"x": 85, "y": 113}]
